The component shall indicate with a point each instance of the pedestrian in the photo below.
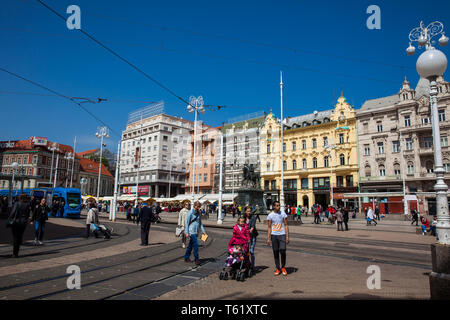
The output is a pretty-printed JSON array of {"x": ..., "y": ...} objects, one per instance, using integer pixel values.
[
  {"x": 299, "y": 214},
  {"x": 39, "y": 217},
  {"x": 415, "y": 217},
  {"x": 433, "y": 226},
  {"x": 192, "y": 226},
  {"x": 157, "y": 212},
  {"x": 128, "y": 213},
  {"x": 61, "y": 209},
  {"x": 370, "y": 217},
  {"x": 250, "y": 220},
  {"x": 425, "y": 225},
  {"x": 147, "y": 217},
  {"x": 339, "y": 219},
  {"x": 55, "y": 208},
  {"x": 377, "y": 213},
  {"x": 315, "y": 210},
  {"x": 278, "y": 234},
  {"x": 92, "y": 218},
  {"x": 257, "y": 212},
  {"x": 138, "y": 217},
  {"x": 346, "y": 213},
  {"x": 182, "y": 215},
  {"x": 18, "y": 220},
  {"x": 135, "y": 213}
]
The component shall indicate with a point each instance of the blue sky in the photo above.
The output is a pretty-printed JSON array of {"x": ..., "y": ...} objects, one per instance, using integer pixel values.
[{"x": 230, "y": 52}]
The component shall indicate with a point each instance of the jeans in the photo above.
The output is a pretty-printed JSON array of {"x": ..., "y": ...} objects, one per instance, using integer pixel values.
[
  {"x": 252, "y": 251},
  {"x": 193, "y": 244},
  {"x": 39, "y": 228}
]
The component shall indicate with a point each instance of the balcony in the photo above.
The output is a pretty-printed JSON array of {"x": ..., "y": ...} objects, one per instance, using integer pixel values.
[
  {"x": 379, "y": 178},
  {"x": 426, "y": 151},
  {"x": 381, "y": 156}
]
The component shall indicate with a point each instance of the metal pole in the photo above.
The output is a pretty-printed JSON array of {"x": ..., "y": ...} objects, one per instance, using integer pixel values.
[
  {"x": 170, "y": 176},
  {"x": 139, "y": 164},
  {"x": 112, "y": 215},
  {"x": 405, "y": 202},
  {"x": 281, "y": 146},
  {"x": 51, "y": 168},
  {"x": 331, "y": 178},
  {"x": 443, "y": 217},
  {"x": 56, "y": 170},
  {"x": 73, "y": 160},
  {"x": 194, "y": 158},
  {"x": 219, "y": 213},
  {"x": 100, "y": 167}
]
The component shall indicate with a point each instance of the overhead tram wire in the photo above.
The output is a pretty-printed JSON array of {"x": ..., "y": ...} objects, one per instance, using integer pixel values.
[
  {"x": 257, "y": 43},
  {"x": 60, "y": 95},
  {"x": 117, "y": 55},
  {"x": 258, "y": 62}
]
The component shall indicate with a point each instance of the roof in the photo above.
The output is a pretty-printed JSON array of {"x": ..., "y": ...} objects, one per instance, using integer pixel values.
[
  {"x": 91, "y": 166},
  {"x": 380, "y": 103},
  {"x": 29, "y": 145},
  {"x": 320, "y": 116},
  {"x": 84, "y": 153}
]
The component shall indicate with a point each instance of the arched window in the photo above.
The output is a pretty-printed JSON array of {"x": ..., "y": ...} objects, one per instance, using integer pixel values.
[
  {"x": 367, "y": 171},
  {"x": 325, "y": 162},
  {"x": 314, "y": 141},
  {"x": 294, "y": 165},
  {"x": 314, "y": 162},
  {"x": 268, "y": 166},
  {"x": 303, "y": 144},
  {"x": 305, "y": 166},
  {"x": 284, "y": 165},
  {"x": 342, "y": 115},
  {"x": 397, "y": 169},
  {"x": 382, "y": 170},
  {"x": 342, "y": 159},
  {"x": 410, "y": 168}
]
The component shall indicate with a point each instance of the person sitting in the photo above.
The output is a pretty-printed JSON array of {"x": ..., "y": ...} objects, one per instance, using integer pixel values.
[{"x": 425, "y": 225}]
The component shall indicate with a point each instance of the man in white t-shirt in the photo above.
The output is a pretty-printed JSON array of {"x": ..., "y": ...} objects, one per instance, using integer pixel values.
[
  {"x": 370, "y": 217},
  {"x": 278, "y": 234}
]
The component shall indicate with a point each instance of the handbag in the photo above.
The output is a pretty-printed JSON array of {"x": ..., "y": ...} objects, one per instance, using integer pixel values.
[{"x": 178, "y": 232}]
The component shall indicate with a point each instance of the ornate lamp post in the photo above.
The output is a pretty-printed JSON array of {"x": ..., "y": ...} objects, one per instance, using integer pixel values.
[
  {"x": 68, "y": 156},
  {"x": 328, "y": 148},
  {"x": 431, "y": 64},
  {"x": 101, "y": 133},
  {"x": 53, "y": 148},
  {"x": 195, "y": 105}
]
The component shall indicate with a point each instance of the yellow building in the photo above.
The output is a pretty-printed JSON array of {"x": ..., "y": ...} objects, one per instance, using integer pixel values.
[{"x": 316, "y": 146}]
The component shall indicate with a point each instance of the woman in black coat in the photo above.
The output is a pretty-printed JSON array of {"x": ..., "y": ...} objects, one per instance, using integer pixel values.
[
  {"x": 18, "y": 220},
  {"x": 250, "y": 219}
]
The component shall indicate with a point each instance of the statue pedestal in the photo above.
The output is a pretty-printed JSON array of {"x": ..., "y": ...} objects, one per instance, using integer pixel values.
[{"x": 252, "y": 197}]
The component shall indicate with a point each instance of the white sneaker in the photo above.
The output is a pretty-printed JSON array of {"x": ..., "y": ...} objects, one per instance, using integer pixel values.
[
  {"x": 183, "y": 246},
  {"x": 40, "y": 242},
  {"x": 35, "y": 242},
  {"x": 423, "y": 233}
]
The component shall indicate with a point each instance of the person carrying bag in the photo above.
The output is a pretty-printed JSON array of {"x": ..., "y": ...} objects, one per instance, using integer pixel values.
[{"x": 17, "y": 221}]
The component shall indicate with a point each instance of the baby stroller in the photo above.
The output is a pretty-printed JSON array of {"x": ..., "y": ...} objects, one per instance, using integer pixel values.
[
  {"x": 237, "y": 265},
  {"x": 101, "y": 228}
]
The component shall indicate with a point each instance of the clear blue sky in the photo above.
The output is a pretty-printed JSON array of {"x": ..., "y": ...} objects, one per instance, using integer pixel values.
[{"x": 200, "y": 52}]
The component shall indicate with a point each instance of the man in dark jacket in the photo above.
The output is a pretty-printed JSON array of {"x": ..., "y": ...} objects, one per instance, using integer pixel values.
[
  {"x": 415, "y": 217},
  {"x": 147, "y": 215},
  {"x": 19, "y": 217},
  {"x": 55, "y": 208},
  {"x": 345, "y": 213},
  {"x": 40, "y": 216}
]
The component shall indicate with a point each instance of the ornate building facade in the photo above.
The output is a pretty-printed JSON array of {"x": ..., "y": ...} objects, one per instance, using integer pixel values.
[
  {"x": 396, "y": 143},
  {"x": 319, "y": 149}
]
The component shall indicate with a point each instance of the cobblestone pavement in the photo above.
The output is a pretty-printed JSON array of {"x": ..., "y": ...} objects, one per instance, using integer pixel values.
[{"x": 322, "y": 263}]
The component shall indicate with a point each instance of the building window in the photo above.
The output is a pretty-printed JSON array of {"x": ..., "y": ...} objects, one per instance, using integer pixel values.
[
  {"x": 366, "y": 150},
  {"x": 367, "y": 171},
  {"x": 395, "y": 146},
  {"x": 428, "y": 142},
  {"x": 407, "y": 121},
  {"x": 266, "y": 184},
  {"x": 349, "y": 181},
  {"x": 396, "y": 169},
  {"x": 380, "y": 148},
  {"x": 294, "y": 146},
  {"x": 339, "y": 181},
  {"x": 341, "y": 138},
  {"x": 409, "y": 144},
  {"x": 294, "y": 165},
  {"x": 342, "y": 159},
  {"x": 325, "y": 162},
  {"x": 441, "y": 115},
  {"x": 379, "y": 127},
  {"x": 410, "y": 168},
  {"x": 426, "y": 120},
  {"x": 342, "y": 115},
  {"x": 382, "y": 171},
  {"x": 325, "y": 141},
  {"x": 268, "y": 148},
  {"x": 305, "y": 183},
  {"x": 366, "y": 127},
  {"x": 429, "y": 166},
  {"x": 284, "y": 146},
  {"x": 321, "y": 183},
  {"x": 268, "y": 166},
  {"x": 284, "y": 165},
  {"x": 444, "y": 141},
  {"x": 273, "y": 185},
  {"x": 164, "y": 148},
  {"x": 304, "y": 144},
  {"x": 314, "y": 162},
  {"x": 304, "y": 164},
  {"x": 446, "y": 166},
  {"x": 314, "y": 141},
  {"x": 205, "y": 177}
]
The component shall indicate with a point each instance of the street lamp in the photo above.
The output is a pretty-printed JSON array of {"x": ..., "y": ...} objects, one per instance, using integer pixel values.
[
  {"x": 195, "y": 105},
  {"x": 14, "y": 166},
  {"x": 431, "y": 64},
  {"x": 83, "y": 183},
  {"x": 68, "y": 156},
  {"x": 328, "y": 147},
  {"x": 53, "y": 148},
  {"x": 101, "y": 133}
]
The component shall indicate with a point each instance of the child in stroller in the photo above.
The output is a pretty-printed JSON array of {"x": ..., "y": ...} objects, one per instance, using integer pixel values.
[{"x": 237, "y": 264}]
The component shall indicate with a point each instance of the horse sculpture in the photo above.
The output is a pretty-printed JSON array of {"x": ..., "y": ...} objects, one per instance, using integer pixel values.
[{"x": 250, "y": 176}]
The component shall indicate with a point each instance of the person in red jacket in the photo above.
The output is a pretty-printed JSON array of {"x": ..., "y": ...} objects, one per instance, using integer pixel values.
[
  {"x": 425, "y": 225},
  {"x": 241, "y": 233}
]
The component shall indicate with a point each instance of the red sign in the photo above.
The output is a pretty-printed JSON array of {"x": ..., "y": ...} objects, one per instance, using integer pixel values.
[{"x": 143, "y": 190}]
